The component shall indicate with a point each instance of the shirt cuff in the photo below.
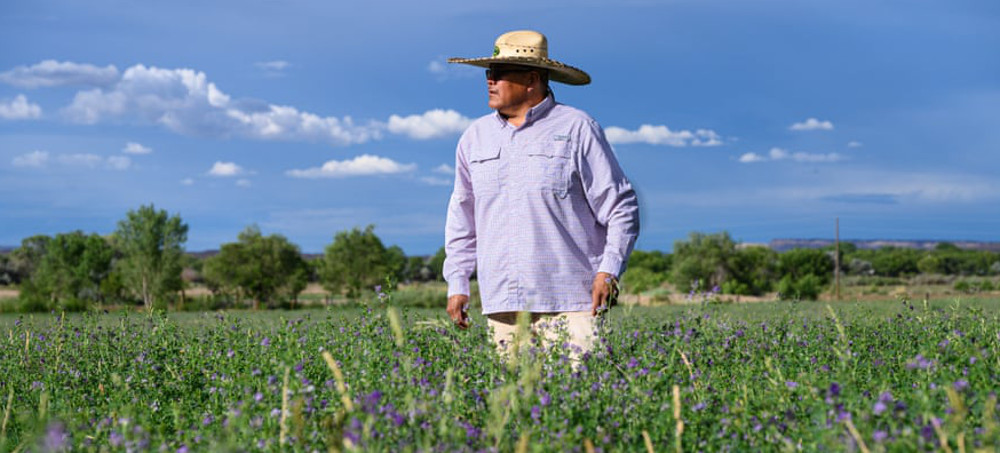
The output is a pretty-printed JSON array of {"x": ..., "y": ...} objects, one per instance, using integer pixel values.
[
  {"x": 458, "y": 285},
  {"x": 611, "y": 265}
]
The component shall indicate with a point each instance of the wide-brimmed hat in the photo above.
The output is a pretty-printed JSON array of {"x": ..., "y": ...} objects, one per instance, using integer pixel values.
[{"x": 528, "y": 48}]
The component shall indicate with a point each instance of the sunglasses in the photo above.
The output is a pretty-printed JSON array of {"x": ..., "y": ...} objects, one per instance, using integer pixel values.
[{"x": 497, "y": 74}]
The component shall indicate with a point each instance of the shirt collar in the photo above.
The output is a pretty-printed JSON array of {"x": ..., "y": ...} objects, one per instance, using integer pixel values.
[{"x": 536, "y": 112}]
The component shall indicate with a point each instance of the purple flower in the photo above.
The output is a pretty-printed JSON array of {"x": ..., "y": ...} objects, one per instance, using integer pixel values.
[
  {"x": 879, "y": 408},
  {"x": 56, "y": 437},
  {"x": 880, "y": 436},
  {"x": 182, "y": 449},
  {"x": 207, "y": 420},
  {"x": 536, "y": 412},
  {"x": 961, "y": 384},
  {"x": 791, "y": 384},
  {"x": 265, "y": 342},
  {"x": 834, "y": 389},
  {"x": 115, "y": 438},
  {"x": 258, "y": 397}
]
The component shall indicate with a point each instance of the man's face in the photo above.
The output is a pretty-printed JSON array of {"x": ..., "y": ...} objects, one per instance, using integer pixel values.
[{"x": 508, "y": 87}]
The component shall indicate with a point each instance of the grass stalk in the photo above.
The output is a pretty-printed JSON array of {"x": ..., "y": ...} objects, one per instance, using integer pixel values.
[
  {"x": 856, "y": 435},
  {"x": 6, "y": 414},
  {"x": 283, "y": 424},
  {"x": 339, "y": 377}
]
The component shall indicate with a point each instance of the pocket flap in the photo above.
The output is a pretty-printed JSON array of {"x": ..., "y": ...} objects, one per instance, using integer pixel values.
[
  {"x": 483, "y": 154},
  {"x": 550, "y": 149}
]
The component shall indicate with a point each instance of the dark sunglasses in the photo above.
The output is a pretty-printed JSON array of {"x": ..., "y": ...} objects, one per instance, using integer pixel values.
[{"x": 497, "y": 74}]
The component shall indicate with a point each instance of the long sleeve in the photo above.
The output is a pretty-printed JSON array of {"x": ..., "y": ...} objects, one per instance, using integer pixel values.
[
  {"x": 611, "y": 199},
  {"x": 460, "y": 229}
]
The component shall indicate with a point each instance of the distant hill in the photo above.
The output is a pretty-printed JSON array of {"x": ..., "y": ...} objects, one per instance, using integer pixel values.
[{"x": 781, "y": 245}]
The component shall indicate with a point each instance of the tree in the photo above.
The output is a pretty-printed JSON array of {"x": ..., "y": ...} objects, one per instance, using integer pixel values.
[
  {"x": 654, "y": 261},
  {"x": 152, "y": 246},
  {"x": 804, "y": 273},
  {"x": 356, "y": 259},
  {"x": 752, "y": 271},
  {"x": 70, "y": 273},
  {"x": 262, "y": 267},
  {"x": 437, "y": 264},
  {"x": 702, "y": 262},
  {"x": 25, "y": 259}
]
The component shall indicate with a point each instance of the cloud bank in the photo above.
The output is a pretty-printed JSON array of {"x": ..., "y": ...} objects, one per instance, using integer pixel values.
[
  {"x": 44, "y": 159},
  {"x": 778, "y": 154},
  {"x": 19, "y": 109},
  {"x": 363, "y": 165},
  {"x": 50, "y": 73},
  {"x": 662, "y": 135},
  {"x": 226, "y": 169},
  {"x": 432, "y": 124},
  {"x": 812, "y": 124}
]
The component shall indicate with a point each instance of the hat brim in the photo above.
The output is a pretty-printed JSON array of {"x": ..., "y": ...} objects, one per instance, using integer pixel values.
[{"x": 558, "y": 72}]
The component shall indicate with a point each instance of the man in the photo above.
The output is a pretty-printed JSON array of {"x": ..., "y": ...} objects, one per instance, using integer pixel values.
[{"x": 541, "y": 209}]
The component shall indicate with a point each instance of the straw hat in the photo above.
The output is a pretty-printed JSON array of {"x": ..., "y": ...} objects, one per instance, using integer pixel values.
[{"x": 528, "y": 48}]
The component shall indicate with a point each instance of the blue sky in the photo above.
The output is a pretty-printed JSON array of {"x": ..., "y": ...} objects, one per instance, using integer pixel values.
[{"x": 766, "y": 119}]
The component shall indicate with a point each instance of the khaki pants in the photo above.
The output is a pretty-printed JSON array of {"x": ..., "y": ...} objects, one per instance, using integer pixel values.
[{"x": 577, "y": 327}]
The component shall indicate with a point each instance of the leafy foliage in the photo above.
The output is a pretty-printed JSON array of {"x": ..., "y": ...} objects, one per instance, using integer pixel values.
[
  {"x": 70, "y": 273},
  {"x": 260, "y": 267},
  {"x": 357, "y": 259},
  {"x": 152, "y": 246},
  {"x": 704, "y": 261}
]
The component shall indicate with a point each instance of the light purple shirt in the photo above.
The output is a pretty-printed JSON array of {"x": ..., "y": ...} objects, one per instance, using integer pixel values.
[{"x": 537, "y": 210}]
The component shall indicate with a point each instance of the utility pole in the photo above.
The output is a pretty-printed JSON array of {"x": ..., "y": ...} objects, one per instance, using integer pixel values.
[{"x": 836, "y": 260}]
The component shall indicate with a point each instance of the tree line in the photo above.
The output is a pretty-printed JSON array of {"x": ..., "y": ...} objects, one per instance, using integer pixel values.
[
  {"x": 143, "y": 262},
  {"x": 716, "y": 263}
]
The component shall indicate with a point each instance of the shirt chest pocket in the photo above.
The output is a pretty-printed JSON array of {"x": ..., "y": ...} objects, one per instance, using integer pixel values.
[
  {"x": 548, "y": 166},
  {"x": 484, "y": 167}
]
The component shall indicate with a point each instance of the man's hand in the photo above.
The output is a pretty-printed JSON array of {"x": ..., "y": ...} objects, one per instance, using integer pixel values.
[
  {"x": 605, "y": 286},
  {"x": 457, "y": 305}
]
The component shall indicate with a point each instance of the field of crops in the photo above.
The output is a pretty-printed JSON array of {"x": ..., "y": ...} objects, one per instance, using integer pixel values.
[{"x": 893, "y": 376}]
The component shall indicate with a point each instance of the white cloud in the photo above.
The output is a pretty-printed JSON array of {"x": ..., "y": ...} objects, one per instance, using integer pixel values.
[
  {"x": 442, "y": 70},
  {"x": 54, "y": 73},
  {"x": 854, "y": 144},
  {"x": 136, "y": 148},
  {"x": 19, "y": 109},
  {"x": 444, "y": 169},
  {"x": 40, "y": 159},
  {"x": 79, "y": 160},
  {"x": 35, "y": 159},
  {"x": 437, "y": 67},
  {"x": 226, "y": 169},
  {"x": 363, "y": 165},
  {"x": 432, "y": 124},
  {"x": 276, "y": 65},
  {"x": 778, "y": 154},
  {"x": 184, "y": 101},
  {"x": 812, "y": 124},
  {"x": 243, "y": 183},
  {"x": 662, "y": 135},
  {"x": 435, "y": 181},
  {"x": 119, "y": 162},
  {"x": 187, "y": 182}
]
